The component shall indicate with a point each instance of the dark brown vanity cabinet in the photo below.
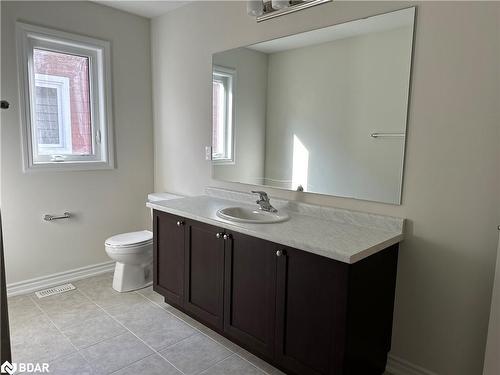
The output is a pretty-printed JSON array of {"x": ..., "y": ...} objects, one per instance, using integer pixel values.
[
  {"x": 304, "y": 313},
  {"x": 334, "y": 318},
  {"x": 204, "y": 273},
  {"x": 168, "y": 257},
  {"x": 188, "y": 266},
  {"x": 250, "y": 292},
  {"x": 310, "y": 312}
]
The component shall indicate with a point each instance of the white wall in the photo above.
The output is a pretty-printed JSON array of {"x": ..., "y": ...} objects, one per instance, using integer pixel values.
[
  {"x": 451, "y": 182},
  {"x": 249, "y": 115},
  {"x": 332, "y": 96},
  {"x": 104, "y": 202}
]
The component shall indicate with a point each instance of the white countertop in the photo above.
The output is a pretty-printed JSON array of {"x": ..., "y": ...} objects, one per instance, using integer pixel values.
[{"x": 346, "y": 236}]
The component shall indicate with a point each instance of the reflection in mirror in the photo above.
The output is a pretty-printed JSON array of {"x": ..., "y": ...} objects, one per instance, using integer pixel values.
[
  {"x": 223, "y": 120},
  {"x": 322, "y": 111}
]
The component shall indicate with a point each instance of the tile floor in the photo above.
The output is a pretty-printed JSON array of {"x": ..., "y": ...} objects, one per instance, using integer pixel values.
[{"x": 95, "y": 330}]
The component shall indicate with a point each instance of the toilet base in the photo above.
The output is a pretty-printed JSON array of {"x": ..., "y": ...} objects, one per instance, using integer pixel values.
[{"x": 129, "y": 277}]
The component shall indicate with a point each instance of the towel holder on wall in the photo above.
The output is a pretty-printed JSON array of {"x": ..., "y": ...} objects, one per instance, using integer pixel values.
[
  {"x": 391, "y": 135},
  {"x": 48, "y": 217}
]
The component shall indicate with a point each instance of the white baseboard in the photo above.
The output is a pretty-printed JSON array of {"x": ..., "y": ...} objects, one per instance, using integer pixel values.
[
  {"x": 399, "y": 366},
  {"x": 32, "y": 285}
]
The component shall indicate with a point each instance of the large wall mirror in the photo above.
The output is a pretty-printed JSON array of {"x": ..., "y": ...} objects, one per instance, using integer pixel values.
[{"x": 323, "y": 111}]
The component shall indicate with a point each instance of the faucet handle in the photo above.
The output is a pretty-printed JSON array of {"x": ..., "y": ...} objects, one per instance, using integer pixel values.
[
  {"x": 263, "y": 194},
  {"x": 264, "y": 202}
]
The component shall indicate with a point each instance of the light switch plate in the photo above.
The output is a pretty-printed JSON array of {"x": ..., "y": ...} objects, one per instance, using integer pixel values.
[{"x": 208, "y": 152}]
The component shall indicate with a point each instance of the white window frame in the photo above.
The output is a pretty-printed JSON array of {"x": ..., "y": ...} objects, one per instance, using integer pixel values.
[
  {"x": 61, "y": 84},
  {"x": 228, "y": 78},
  {"x": 97, "y": 51}
]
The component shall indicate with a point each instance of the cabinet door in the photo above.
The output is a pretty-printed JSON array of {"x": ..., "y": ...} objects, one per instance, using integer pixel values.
[
  {"x": 250, "y": 292},
  {"x": 168, "y": 244},
  {"x": 204, "y": 273},
  {"x": 311, "y": 304}
]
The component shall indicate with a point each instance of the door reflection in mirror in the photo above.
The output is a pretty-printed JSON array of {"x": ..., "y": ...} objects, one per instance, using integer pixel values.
[{"x": 300, "y": 164}]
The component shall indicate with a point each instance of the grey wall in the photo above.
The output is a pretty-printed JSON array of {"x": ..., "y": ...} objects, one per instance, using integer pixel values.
[
  {"x": 451, "y": 182},
  {"x": 249, "y": 115},
  {"x": 104, "y": 202},
  {"x": 332, "y": 96}
]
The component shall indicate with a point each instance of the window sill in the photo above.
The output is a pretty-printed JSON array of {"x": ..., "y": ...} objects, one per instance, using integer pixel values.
[
  {"x": 67, "y": 166},
  {"x": 223, "y": 162}
]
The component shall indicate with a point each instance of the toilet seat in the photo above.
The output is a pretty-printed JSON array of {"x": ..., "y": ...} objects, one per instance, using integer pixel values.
[
  {"x": 128, "y": 250},
  {"x": 130, "y": 240}
]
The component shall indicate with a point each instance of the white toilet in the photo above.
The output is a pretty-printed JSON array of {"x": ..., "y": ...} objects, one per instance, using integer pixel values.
[{"x": 133, "y": 253}]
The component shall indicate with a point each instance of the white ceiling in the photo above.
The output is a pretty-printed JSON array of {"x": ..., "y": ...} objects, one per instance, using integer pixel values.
[{"x": 145, "y": 8}]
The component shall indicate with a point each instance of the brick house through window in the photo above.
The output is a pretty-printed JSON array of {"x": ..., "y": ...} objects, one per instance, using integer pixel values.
[{"x": 62, "y": 110}]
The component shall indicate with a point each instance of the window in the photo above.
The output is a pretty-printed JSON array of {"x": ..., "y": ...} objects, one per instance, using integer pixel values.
[
  {"x": 52, "y": 114},
  {"x": 223, "y": 121},
  {"x": 66, "y": 95}
]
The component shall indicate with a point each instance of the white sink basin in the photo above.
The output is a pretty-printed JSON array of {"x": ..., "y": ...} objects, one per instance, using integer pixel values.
[{"x": 250, "y": 215}]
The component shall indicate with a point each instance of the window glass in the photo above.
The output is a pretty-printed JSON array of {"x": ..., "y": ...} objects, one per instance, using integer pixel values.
[
  {"x": 62, "y": 121},
  {"x": 218, "y": 140},
  {"x": 222, "y": 112}
]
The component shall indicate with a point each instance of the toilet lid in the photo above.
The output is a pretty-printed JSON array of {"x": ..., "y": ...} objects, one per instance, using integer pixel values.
[{"x": 130, "y": 239}]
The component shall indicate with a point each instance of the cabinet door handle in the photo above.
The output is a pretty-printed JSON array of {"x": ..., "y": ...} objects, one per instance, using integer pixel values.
[
  {"x": 227, "y": 236},
  {"x": 218, "y": 235},
  {"x": 280, "y": 253},
  {"x": 180, "y": 223}
]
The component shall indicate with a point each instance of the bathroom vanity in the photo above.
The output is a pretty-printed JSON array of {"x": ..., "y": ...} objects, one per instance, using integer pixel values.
[
  {"x": 309, "y": 289},
  {"x": 311, "y": 295}
]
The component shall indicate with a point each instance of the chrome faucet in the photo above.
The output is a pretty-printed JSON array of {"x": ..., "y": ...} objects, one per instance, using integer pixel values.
[{"x": 263, "y": 201}]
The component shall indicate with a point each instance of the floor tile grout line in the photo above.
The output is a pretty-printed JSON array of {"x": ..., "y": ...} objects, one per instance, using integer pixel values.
[
  {"x": 133, "y": 363},
  {"x": 78, "y": 350},
  {"x": 199, "y": 331},
  {"x": 216, "y": 363},
  {"x": 62, "y": 331},
  {"x": 183, "y": 321},
  {"x": 116, "y": 320},
  {"x": 176, "y": 317},
  {"x": 233, "y": 352},
  {"x": 175, "y": 343},
  {"x": 57, "y": 328},
  {"x": 253, "y": 364},
  {"x": 46, "y": 315},
  {"x": 126, "y": 328},
  {"x": 98, "y": 342}
]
